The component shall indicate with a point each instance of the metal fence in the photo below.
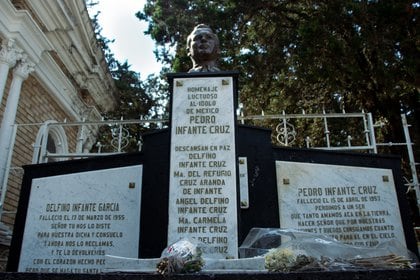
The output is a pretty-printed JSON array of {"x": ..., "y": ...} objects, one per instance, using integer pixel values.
[
  {"x": 335, "y": 131},
  {"x": 330, "y": 131},
  {"x": 285, "y": 132}
]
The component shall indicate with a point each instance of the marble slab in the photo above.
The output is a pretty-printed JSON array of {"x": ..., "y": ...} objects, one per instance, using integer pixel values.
[
  {"x": 74, "y": 220},
  {"x": 355, "y": 205}
]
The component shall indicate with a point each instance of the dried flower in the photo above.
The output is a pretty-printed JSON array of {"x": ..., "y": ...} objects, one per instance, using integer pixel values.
[
  {"x": 279, "y": 260},
  {"x": 181, "y": 257}
]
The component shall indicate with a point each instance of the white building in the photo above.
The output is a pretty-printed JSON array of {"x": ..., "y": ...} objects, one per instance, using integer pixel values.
[{"x": 51, "y": 70}]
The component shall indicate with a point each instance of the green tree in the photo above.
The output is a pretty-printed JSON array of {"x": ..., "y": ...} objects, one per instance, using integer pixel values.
[{"x": 310, "y": 55}]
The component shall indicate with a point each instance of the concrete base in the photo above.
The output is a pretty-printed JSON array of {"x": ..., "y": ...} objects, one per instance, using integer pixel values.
[
  {"x": 247, "y": 265},
  {"x": 342, "y": 275}
]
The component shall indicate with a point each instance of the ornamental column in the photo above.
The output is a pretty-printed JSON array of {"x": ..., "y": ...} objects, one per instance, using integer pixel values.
[
  {"x": 9, "y": 54},
  {"x": 20, "y": 73}
]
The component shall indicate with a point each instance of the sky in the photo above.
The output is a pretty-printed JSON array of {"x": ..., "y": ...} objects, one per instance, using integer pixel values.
[{"x": 119, "y": 23}]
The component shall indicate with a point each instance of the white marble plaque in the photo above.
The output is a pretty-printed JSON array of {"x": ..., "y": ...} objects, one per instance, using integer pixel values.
[
  {"x": 355, "y": 205},
  {"x": 202, "y": 195},
  {"x": 74, "y": 220},
  {"x": 243, "y": 182}
]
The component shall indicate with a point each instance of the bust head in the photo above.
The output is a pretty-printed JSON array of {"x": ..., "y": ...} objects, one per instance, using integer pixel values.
[{"x": 203, "y": 49}]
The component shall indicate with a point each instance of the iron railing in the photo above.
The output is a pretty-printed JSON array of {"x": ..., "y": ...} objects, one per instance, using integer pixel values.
[{"x": 284, "y": 133}]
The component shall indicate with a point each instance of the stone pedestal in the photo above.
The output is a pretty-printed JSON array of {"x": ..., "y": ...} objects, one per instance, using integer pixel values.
[{"x": 203, "y": 164}]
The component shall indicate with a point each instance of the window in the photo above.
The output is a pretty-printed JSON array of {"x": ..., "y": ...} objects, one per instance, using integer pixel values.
[{"x": 50, "y": 139}]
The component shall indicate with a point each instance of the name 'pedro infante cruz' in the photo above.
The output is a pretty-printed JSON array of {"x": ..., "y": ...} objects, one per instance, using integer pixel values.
[{"x": 203, "y": 124}]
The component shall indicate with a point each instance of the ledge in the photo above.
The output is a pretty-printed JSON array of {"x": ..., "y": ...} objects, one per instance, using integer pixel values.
[{"x": 342, "y": 275}]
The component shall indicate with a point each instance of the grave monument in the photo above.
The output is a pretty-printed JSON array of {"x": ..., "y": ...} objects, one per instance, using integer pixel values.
[
  {"x": 204, "y": 178},
  {"x": 203, "y": 164}
]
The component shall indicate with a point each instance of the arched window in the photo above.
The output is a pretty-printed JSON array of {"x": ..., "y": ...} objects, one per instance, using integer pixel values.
[
  {"x": 50, "y": 139},
  {"x": 51, "y": 144}
]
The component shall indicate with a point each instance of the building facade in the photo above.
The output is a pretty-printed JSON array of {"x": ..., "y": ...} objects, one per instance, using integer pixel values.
[{"x": 51, "y": 70}]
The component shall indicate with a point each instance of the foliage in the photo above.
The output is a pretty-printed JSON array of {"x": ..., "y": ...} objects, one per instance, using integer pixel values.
[{"x": 311, "y": 55}]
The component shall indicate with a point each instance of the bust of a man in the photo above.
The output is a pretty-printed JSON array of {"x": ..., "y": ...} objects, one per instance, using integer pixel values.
[{"x": 203, "y": 49}]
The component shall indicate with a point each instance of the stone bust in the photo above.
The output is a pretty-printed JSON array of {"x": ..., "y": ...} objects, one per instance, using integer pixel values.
[{"x": 203, "y": 49}]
